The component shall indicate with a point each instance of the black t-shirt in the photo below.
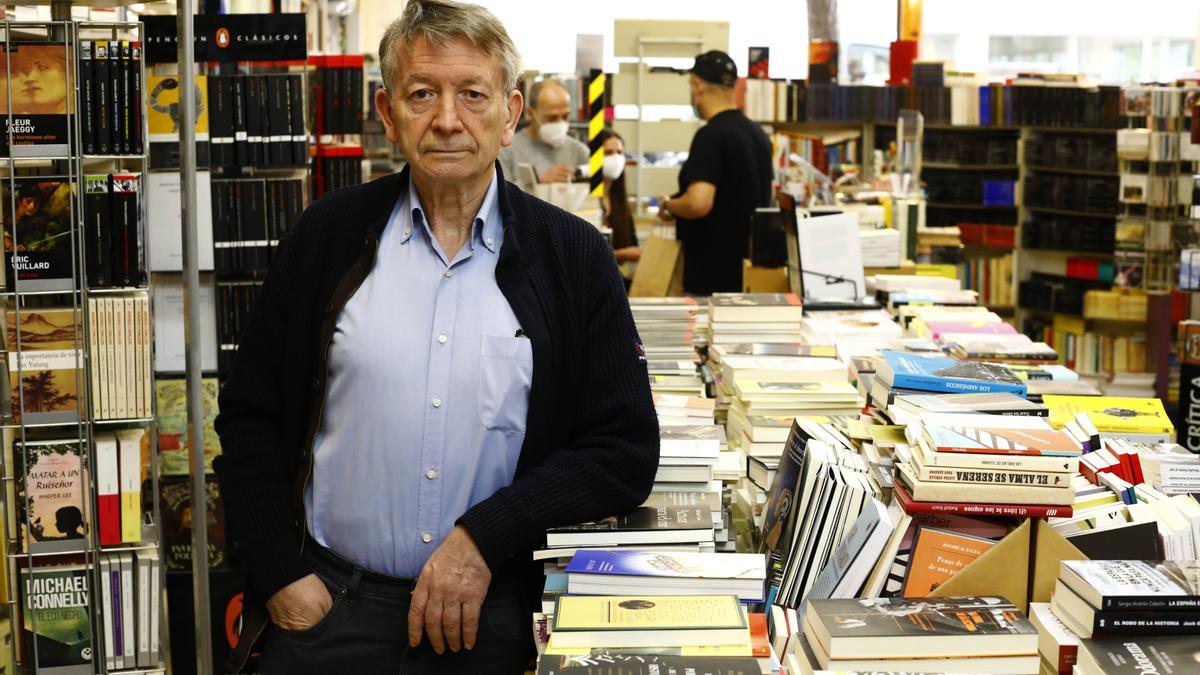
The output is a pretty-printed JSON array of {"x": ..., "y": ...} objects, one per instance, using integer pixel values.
[{"x": 734, "y": 154}]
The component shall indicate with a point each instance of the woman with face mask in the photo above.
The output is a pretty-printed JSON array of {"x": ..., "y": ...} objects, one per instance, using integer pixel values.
[{"x": 615, "y": 202}]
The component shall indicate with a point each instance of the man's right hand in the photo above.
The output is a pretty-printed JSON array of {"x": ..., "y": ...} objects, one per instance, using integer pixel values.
[
  {"x": 301, "y": 604},
  {"x": 556, "y": 174}
]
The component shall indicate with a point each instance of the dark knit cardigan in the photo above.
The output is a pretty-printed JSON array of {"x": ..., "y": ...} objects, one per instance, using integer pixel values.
[{"x": 591, "y": 442}]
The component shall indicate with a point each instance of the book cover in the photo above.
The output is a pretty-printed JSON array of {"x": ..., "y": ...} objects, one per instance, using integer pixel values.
[
  {"x": 924, "y": 627},
  {"x": 50, "y": 494},
  {"x": 1135, "y": 584},
  {"x": 901, "y": 370},
  {"x": 1138, "y": 655},
  {"x": 641, "y": 663},
  {"x": 136, "y": 145},
  {"x": 116, "y": 108},
  {"x": 125, "y": 103},
  {"x": 104, "y": 98},
  {"x": 1111, "y": 414},
  {"x": 171, "y": 397},
  {"x": 44, "y": 372},
  {"x": 655, "y": 612},
  {"x": 56, "y": 617},
  {"x": 87, "y": 93},
  {"x": 702, "y": 440},
  {"x": 991, "y": 404},
  {"x": 97, "y": 227},
  {"x": 36, "y": 88},
  {"x": 1000, "y": 441},
  {"x": 937, "y": 555},
  {"x": 126, "y": 188},
  {"x": 163, "y": 116},
  {"x": 175, "y": 504},
  {"x": 38, "y": 258}
]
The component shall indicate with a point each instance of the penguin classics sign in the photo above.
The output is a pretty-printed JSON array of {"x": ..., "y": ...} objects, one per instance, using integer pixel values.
[{"x": 230, "y": 37}]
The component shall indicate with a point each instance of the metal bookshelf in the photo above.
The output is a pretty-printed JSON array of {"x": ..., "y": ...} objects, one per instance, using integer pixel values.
[{"x": 83, "y": 426}]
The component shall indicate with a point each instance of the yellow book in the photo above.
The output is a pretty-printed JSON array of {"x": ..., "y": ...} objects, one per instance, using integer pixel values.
[
  {"x": 129, "y": 443},
  {"x": 647, "y": 621},
  {"x": 1112, "y": 414}
]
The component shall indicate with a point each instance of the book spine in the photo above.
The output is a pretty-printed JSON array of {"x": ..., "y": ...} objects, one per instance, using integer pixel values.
[
  {"x": 1027, "y": 452},
  {"x": 264, "y": 118},
  {"x": 143, "y": 611},
  {"x": 95, "y": 208},
  {"x": 252, "y": 101},
  {"x": 100, "y": 349},
  {"x": 119, "y": 384},
  {"x": 281, "y": 140},
  {"x": 118, "y": 614},
  {"x": 116, "y": 103},
  {"x": 130, "y": 357},
  {"x": 103, "y": 116},
  {"x": 237, "y": 107},
  {"x": 1146, "y": 603},
  {"x": 129, "y": 447},
  {"x": 947, "y": 386},
  {"x": 122, "y": 274},
  {"x": 147, "y": 367},
  {"x": 973, "y": 477},
  {"x": 998, "y": 494},
  {"x": 108, "y": 490},
  {"x": 128, "y": 622},
  {"x": 1136, "y": 623},
  {"x": 137, "y": 145},
  {"x": 962, "y": 460},
  {"x": 94, "y": 359},
  {"x": 296, "y": 114},
  {"x": 127, "y": 101},
  {"x": 87, "y": 92},
  {"x": 958, "y": 508},
  {"x": 155, "y": 610},
  {"x": 106, "y": 599}
]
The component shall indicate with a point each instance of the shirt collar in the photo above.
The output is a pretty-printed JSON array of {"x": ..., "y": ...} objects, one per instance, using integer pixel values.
[{"x": 486, "y": 229}]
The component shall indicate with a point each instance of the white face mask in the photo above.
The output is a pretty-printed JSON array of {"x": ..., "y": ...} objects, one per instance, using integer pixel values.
[
  {"x": 614, "y": 166},
  {"x": 553, "y": 133}
]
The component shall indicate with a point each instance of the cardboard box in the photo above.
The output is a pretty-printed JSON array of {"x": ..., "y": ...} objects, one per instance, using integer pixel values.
[{"x": 764, "y": 279}]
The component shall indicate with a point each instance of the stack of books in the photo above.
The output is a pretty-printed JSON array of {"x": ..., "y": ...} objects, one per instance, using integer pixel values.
[
  {"x": 768, "y": 318},
  {"x": 667, "y": 573},
  {"x": 845, "y": 329},
  {"x": 880, "y": 248},
  {"x": 676, "y": 410},
  {"x": 671, "y": 329},
  {"x": 1058, "y": 647},
  {"x": 1170, "y": 467},
  {"x": 686, "y": 457},
  {"x": 1136, "y": 655},
  {"x": 987, "y": 465},
  {"x": 898, "y": 373},
  {"x": 1114, "y": 598},
  {"x": 963, "y": 635}
]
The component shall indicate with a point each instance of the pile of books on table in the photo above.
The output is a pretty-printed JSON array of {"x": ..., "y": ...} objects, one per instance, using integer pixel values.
[
  {"x": 765, "y": 318},
  {"x": 930, "y": 635},
  {"x": 671, "y": 329}
]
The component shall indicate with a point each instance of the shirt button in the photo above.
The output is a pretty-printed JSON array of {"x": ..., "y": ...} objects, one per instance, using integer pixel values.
[
  {"x": 407, "y": 231},
  {"x": 488, "y": 241},
  {"x": 431, "y": 474},
  {"x": 442, "y": 339},
  {"x": 437, "y": 402},
  {"x": 427, "y": 537},
  {"x": 449, "y": 273}
]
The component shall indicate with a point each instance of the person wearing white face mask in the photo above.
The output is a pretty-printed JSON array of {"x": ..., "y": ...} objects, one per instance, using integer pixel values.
[
  {"x": 615, "y": 201},
  {"x": 545, "y": 144}
]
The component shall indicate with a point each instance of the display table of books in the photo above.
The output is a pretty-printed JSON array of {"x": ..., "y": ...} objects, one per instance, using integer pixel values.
[{"x": 912, "y": 488}]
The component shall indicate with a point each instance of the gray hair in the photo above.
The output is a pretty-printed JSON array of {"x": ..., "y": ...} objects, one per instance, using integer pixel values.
[{"x": 440, "y": 22}]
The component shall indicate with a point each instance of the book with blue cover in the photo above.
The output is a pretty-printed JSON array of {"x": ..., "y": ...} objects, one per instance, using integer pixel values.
[
  {"x": 594, "y": 572},
  {"x": 902, "y": 370}
]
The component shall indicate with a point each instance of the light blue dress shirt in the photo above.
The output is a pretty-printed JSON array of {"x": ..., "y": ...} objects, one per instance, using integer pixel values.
[{"x": 426, "y": 399}]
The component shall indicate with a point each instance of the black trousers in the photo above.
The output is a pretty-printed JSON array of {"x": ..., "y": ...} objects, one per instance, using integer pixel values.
[{"x": 366, "y": 630}]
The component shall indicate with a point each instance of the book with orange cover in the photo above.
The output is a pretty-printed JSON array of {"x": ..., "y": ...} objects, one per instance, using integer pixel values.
[{"x": 938, "y": 555}]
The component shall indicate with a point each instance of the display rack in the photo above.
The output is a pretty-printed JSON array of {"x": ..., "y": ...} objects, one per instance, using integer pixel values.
[{"x": 82, "y": 426}]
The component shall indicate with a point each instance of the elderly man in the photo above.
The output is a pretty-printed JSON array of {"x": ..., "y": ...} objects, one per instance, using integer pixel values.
[
  {"x": 439, "y": 368},
  {"x": 545, "y": 144}
]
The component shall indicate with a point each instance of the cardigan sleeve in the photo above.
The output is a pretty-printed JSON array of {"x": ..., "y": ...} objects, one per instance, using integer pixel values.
[
  {"x": 608, "y": 467},
  {"x": 261, "y": 519}
]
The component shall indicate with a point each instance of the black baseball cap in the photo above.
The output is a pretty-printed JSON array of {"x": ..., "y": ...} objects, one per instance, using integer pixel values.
[{"x": 715, "y": 67}]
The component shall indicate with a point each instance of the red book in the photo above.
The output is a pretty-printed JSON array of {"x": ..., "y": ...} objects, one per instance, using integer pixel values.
[
  {"x": 1018, "y": 510},
  {"x": 760, "y": 640},
  {"x": 108, "y": 490}
]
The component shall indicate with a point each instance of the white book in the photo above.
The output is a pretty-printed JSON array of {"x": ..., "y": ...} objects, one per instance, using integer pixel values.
[
  {"x": 97, "y": 402},
  {"x": 855, "y": 557},
  {"x": 106, "y": 596},
  {"x": 130, "y": 358},
  {"x": 121, "y": 386},
  {"x": 108, "y": 486},
  {"x": 701, "y": 440},
  {"x": 101, "y": 352},
  {"x": 143, "y": 611},
  {"x": 147, "y": 367},
  {"x": 128, "y": 615}
]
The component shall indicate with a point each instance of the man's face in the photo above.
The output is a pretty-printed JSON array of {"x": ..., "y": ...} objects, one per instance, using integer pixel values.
[
  {"x": 553, "y": 105},
  {"x": 448, "y": 111}
]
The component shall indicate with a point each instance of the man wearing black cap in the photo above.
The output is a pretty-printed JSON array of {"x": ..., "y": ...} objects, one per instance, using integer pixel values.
[{"x": 726, "y": 176}]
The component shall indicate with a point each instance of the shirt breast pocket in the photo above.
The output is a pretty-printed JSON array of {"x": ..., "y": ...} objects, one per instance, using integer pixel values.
[{"x": 505, "y": 377}]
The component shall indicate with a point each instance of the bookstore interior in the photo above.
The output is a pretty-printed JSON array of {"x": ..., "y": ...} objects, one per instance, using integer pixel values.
[{"x": 937, "y": 409}]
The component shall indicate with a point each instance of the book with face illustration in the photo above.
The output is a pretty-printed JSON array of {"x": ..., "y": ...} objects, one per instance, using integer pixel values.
[
  {"x": 37, "y": 234},
  {"x": 36, "y": 81}
]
